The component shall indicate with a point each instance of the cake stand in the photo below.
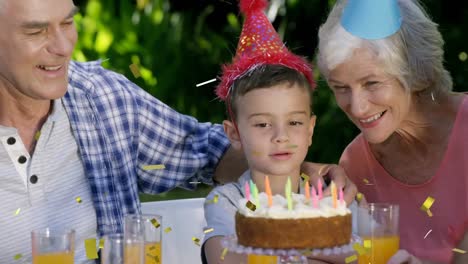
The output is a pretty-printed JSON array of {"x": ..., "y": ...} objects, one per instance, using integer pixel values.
[{"x": 289, "y": 256}]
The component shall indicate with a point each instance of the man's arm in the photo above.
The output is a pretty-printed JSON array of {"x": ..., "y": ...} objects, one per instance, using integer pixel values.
[{"x": 230, "y": 167}]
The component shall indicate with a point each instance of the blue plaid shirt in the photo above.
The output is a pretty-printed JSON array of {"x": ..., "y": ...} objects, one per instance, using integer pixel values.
[{"x": 120, "y": 128}]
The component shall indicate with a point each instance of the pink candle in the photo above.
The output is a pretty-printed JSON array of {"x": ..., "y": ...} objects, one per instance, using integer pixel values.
[
  {"x": 341, "y": 195},
  {"x": 314, "y": 196},
  {"x": 247, "y": 191},
  {"x": 319, "y": 187}
]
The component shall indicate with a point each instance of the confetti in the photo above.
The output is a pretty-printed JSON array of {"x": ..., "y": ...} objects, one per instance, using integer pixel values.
[
  {"x": 457, "y": 250},
  {"x": 427, "y": 203},
  {"x": 155, "y": 223},
  {"x": 167, "y": 230},
  {"x": 305, "y": 176},
  {"x": 90, "y": 246},
  {"x": 195, "y": 182},
  {"x": 366, "y": 181},
  {"x": 18, "y": 256},
  {"x": 223, "y": 254},
  {"x": 359, "y": 197},
  {"x": 17, "y": 211},
  {"x": 215, "y": 200},
  {"x": 101, "y": 243},
  {"x": 351, "y": 259},
  {"x": 154, "y": 167},
  {"x": 37, "y": 135},
  {"x": 427, "y": 233},
  {"x": 78, "y": 199},
  {"x": 251, "y": 206},
  {"x": 429, "y": 213},
  {"x": 207, "y": 82},
  {"x": 359, "y": 249},
  {"x": 209, "y": 230},
  {"x": 367, "y": 243},
  {"x": 196, "y": 241},
  {"x": 135, "y": 70}
]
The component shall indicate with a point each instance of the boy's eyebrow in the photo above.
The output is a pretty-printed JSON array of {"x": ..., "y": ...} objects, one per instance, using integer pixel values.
[
  {"x": 268, "y": 114},
  {"x": 41, "y": 24}
]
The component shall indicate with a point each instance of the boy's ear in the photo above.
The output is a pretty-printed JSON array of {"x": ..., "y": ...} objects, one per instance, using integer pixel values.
[
  {"x": 231, "y": 132},
  {"x": 313, "y": 118}
]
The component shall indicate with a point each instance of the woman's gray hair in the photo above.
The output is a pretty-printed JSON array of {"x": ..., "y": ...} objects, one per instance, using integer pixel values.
[{"x": 414, "y": 55}]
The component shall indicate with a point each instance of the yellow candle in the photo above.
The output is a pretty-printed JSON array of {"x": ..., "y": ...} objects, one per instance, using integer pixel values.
[
  {"x": 268, "y": 191},
  {"x": 334, "y": 194},
  {"x": 306, "y": 189}
]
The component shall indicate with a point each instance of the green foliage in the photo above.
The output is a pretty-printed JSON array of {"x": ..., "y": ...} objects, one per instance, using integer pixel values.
[{"x": 180, "y": 43}]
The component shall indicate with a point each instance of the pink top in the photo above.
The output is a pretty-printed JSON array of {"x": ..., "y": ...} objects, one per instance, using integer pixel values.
[{"x": 448, "y": 187}]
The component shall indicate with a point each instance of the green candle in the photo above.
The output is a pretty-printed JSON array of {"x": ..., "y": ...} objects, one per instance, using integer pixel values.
[{"x": 288, "y": 193}]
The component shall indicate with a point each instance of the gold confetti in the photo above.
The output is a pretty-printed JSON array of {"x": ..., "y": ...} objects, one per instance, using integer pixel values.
[
  {"x": 101, "y": 243},
  {"x": 155, "y": 223},
  {"x": 196, "y": 241},
  {"x": 18, "y": 256},
  {"x": 78, "y": 199},
  {"x": 366, "y": 181},
  {"x": 359, "y": 249},
  {"x": 427, "y": 203},
  {"x": 457, "y": 250},
  {"x": 17, "y": 211},
  {"x": 154, "y": 167},
  {"x": 223, "y": 254},
  {"x": 37, "y": 135},
  {"x": 427, "y": 233},
  {"x": 167, "y": 230},
  {"x": 251, "y": 206},
  {"x": 305, "y": 177},
  {"x": 351, "y": 259},
  {"x": 367, "y": 243},
  {"x": 209, "y": 230},
  {"x": 207, "y": 82},
  {"x": 429, "y": 213},
  {"x": 359, "y": 197},
  {"x": 91, "y": 250},
  {"x": 215, "y": 199},
  {"x": 135, "y": 70}
]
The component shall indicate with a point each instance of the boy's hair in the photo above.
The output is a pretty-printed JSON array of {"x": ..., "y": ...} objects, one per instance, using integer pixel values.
[{"x": 265, "y": 76}]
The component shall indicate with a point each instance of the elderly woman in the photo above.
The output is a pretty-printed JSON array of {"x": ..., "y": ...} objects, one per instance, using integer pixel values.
[{"x": 414, "y": 131}]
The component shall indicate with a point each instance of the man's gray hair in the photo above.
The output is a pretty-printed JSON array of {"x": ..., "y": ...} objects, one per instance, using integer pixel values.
[{"x": 414, "y": 55}]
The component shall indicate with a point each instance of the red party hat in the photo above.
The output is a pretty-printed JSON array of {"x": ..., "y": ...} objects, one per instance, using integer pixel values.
[{"x": 259, "y": 44}]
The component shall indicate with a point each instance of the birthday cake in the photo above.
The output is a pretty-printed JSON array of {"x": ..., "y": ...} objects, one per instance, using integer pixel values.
[{"x": 304, "y": 223}]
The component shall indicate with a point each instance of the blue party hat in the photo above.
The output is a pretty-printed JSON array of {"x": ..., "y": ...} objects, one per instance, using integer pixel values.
[{"x": 371, "y": 19}]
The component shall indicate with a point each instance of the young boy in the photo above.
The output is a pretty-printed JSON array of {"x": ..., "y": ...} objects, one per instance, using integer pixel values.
[
  {"x": 268, "y": 95},
  {"x": 271, "y": 111}
]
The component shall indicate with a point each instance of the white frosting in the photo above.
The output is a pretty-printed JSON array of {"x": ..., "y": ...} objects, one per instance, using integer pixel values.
[{"x": 301, "y": 207}]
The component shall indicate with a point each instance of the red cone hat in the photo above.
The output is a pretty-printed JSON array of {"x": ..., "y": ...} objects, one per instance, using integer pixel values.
[{"x": 259, "y": 44}]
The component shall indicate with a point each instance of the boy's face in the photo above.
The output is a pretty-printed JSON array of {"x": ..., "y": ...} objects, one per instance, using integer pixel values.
[{"x": 276, "y": 127}]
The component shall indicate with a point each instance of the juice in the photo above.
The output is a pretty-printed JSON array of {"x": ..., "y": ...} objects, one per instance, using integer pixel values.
[
  {"x": 381, "y": 250},
  {"x": 132, "y": 254},
  {"x": 54, "y": 258},
  {"x": 153, "y": 253},
  {"x": 262, "y": 259}
]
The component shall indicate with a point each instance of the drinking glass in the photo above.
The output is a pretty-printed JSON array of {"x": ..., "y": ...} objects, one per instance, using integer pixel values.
[
  {"x": 119, "y": 249},
  {"x": 148, "y": 227},
  {"x": 53, "y": 246},
  {"x": 378, "y": 229}
]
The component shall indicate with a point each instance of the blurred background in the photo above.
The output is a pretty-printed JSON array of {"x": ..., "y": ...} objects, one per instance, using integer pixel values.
[{"x": 178, "y": 44}]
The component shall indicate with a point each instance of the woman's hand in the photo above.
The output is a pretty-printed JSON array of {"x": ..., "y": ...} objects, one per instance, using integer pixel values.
[{"x": 334, "y": 172}]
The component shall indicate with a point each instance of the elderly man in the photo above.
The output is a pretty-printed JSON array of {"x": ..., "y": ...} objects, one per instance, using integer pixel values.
[{"x": 72, "y": 130}]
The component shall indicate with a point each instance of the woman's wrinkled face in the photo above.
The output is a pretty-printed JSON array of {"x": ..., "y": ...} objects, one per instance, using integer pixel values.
[{"x": 375, "y": 101}]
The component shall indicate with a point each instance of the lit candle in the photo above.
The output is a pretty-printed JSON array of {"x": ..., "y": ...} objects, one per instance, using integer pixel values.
[
  {"x": 268, "y": 191},
  {"x": 319, "y": 189},
  {"x": 334, "y": 194},
  {"x": 314, "y": 196},
  {"x": 306, "y": 189},
  {"x": 288, "y": 193},
  {"x": 247, "y": 191},
  {"x": 341, "y": 196}
]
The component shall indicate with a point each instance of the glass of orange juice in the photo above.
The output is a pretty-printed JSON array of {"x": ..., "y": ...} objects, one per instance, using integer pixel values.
[
  {"x": 150, "y": 227},
  {"x": 378, "y": 229},
  {"x": 120, "y": 250},
  {"x": 53, "y": 246}
]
